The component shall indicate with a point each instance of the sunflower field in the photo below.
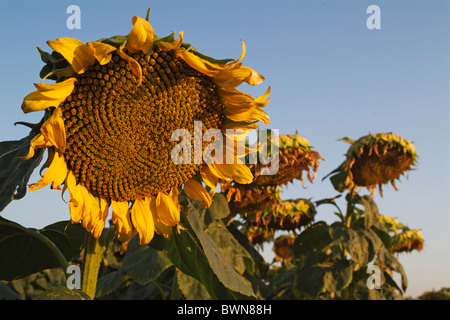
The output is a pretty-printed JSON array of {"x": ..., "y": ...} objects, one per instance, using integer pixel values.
[{"x": 153, "y": 218}]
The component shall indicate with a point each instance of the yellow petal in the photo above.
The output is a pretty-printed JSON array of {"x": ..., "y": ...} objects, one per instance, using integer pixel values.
[
  {"x": 141, "y": 36},
  {"x": 102, "y": 51},
  {"x": 91, "y": 219},
  {"x": 135, "y": 66},
  {"x": 76, "y": 202},
  {"x": 195, "y": 62},
  {"x": 143, "y": 220},
  {"x": 228, "y": 172},
  {"x": 166, "y": 46},
  {"x": 209, "y": 179},
  {"x": 160, "y": 228},
  {"x": 168, "y": 208},
  {"x": 121, "y": 219},
  {"x": 76, "y": 52},
  {"x": 196, "y": 191},
  {"x": 55, "y": 174},
  {"x": 54, "y": 131},
  {"x": 235, "y": 77},
  {"x": 48, "y": 95}
]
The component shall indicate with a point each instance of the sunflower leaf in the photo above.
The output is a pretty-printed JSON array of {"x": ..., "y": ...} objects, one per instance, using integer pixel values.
[
  {"x": 25, "y": 251},
  {"x": 221, "y": 267},
  {"x": 14, "y": 173}
]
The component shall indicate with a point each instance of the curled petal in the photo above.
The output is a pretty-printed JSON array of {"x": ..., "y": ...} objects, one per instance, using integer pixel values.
[
  {"x": 164, "y": 45},
  {"x": 76, "y": 52},
  {"x": 196, "y": 191},
  {"x": 54, "y": 131},
  {"x": 141, "y": 36},
  {"x": 55, "y": 174},
  {"x": 48, "y": 95},
  {"x": 135, "y": 66},
  {"x": 228, "y": 172},
  {"x": 209, "y": 179},
  {"x": 101, "y": 51}
]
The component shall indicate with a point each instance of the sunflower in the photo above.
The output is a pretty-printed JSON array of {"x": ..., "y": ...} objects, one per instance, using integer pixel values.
[
  {"x": 285, "y": 215},
  {"x": 243, "y": 199},
  {"x": 403, "y": 239},
  {"x": 282, "y": 247},
  {"x": 296, "y": 157},
  {"x": 374, "y": 160},
  {"x": 407, "y": 241},
  {"x": 109, "y": 120}
]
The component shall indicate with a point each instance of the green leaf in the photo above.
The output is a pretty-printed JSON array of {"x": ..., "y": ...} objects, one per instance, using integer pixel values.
[
  {"x": 389, "y": 260},
  {"x": 144, "y": 264},
  {"x": 24, "y": 251},
  {"x": 231, "y": 249},
  {"x": 191, "y": 288},
  {"x": 312, "y": 241},
  {"x": 371, "y": 214},
  {"x": 75, "y": 233},
  {"x": 14, "y": 173},
  {"x": 7, "y": 293},
  {"x": 186, "y": 253},
  {"x": 63, "y": 293},
  {"x": 221, "y": 267},
  {"x": 311, "y": 281},
  {"x": 353, "y": 241},
  {"x": 218, "y": 210},
  {"x": 110, "y": 282}
]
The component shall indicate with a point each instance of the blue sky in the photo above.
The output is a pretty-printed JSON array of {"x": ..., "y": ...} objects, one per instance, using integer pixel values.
[{"x": 330, "y": 77}]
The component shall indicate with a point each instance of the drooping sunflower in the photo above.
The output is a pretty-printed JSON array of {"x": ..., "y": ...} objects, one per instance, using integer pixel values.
[
  {"x": 285, "y": 215},
  {"x": 109, "y": 120},
  {"x": 282, "y": 247},
  {"x": 296, "y": 157},
  {"x": 374, "y": 160},
  {"x": 403, "y": 238},
  {"x": 252, "y": 199}
]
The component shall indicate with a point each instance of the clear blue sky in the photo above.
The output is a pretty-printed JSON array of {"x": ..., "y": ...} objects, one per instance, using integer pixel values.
[{"x": 330, "y": 77}]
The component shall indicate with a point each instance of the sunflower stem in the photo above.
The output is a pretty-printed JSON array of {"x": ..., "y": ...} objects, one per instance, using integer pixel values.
[{"x": 92, "y": 259}]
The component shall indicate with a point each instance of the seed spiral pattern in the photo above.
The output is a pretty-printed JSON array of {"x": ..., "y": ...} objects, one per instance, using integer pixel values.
[{"x": 118, "y": 134}]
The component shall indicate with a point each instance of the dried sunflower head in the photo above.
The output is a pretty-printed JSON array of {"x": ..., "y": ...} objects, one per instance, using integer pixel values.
[
  {"x": 407, "y": 241},
  {"x": 109, "y": 120},
  {"x": 282, "y": 247},
  {"x": 243, "y": 200},
  {"x": 296, "y": 157},
  {"x": 258, "y": 235},
  {"x": 374, "y": 160},
  {"x": 403, "y": 238},
  {"x": 285, "y": 215}
]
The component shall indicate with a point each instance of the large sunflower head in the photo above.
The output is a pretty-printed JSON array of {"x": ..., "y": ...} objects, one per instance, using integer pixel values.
[
  {"x": 374, "y": 160},
  {"x": 121, "y": 114}
]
